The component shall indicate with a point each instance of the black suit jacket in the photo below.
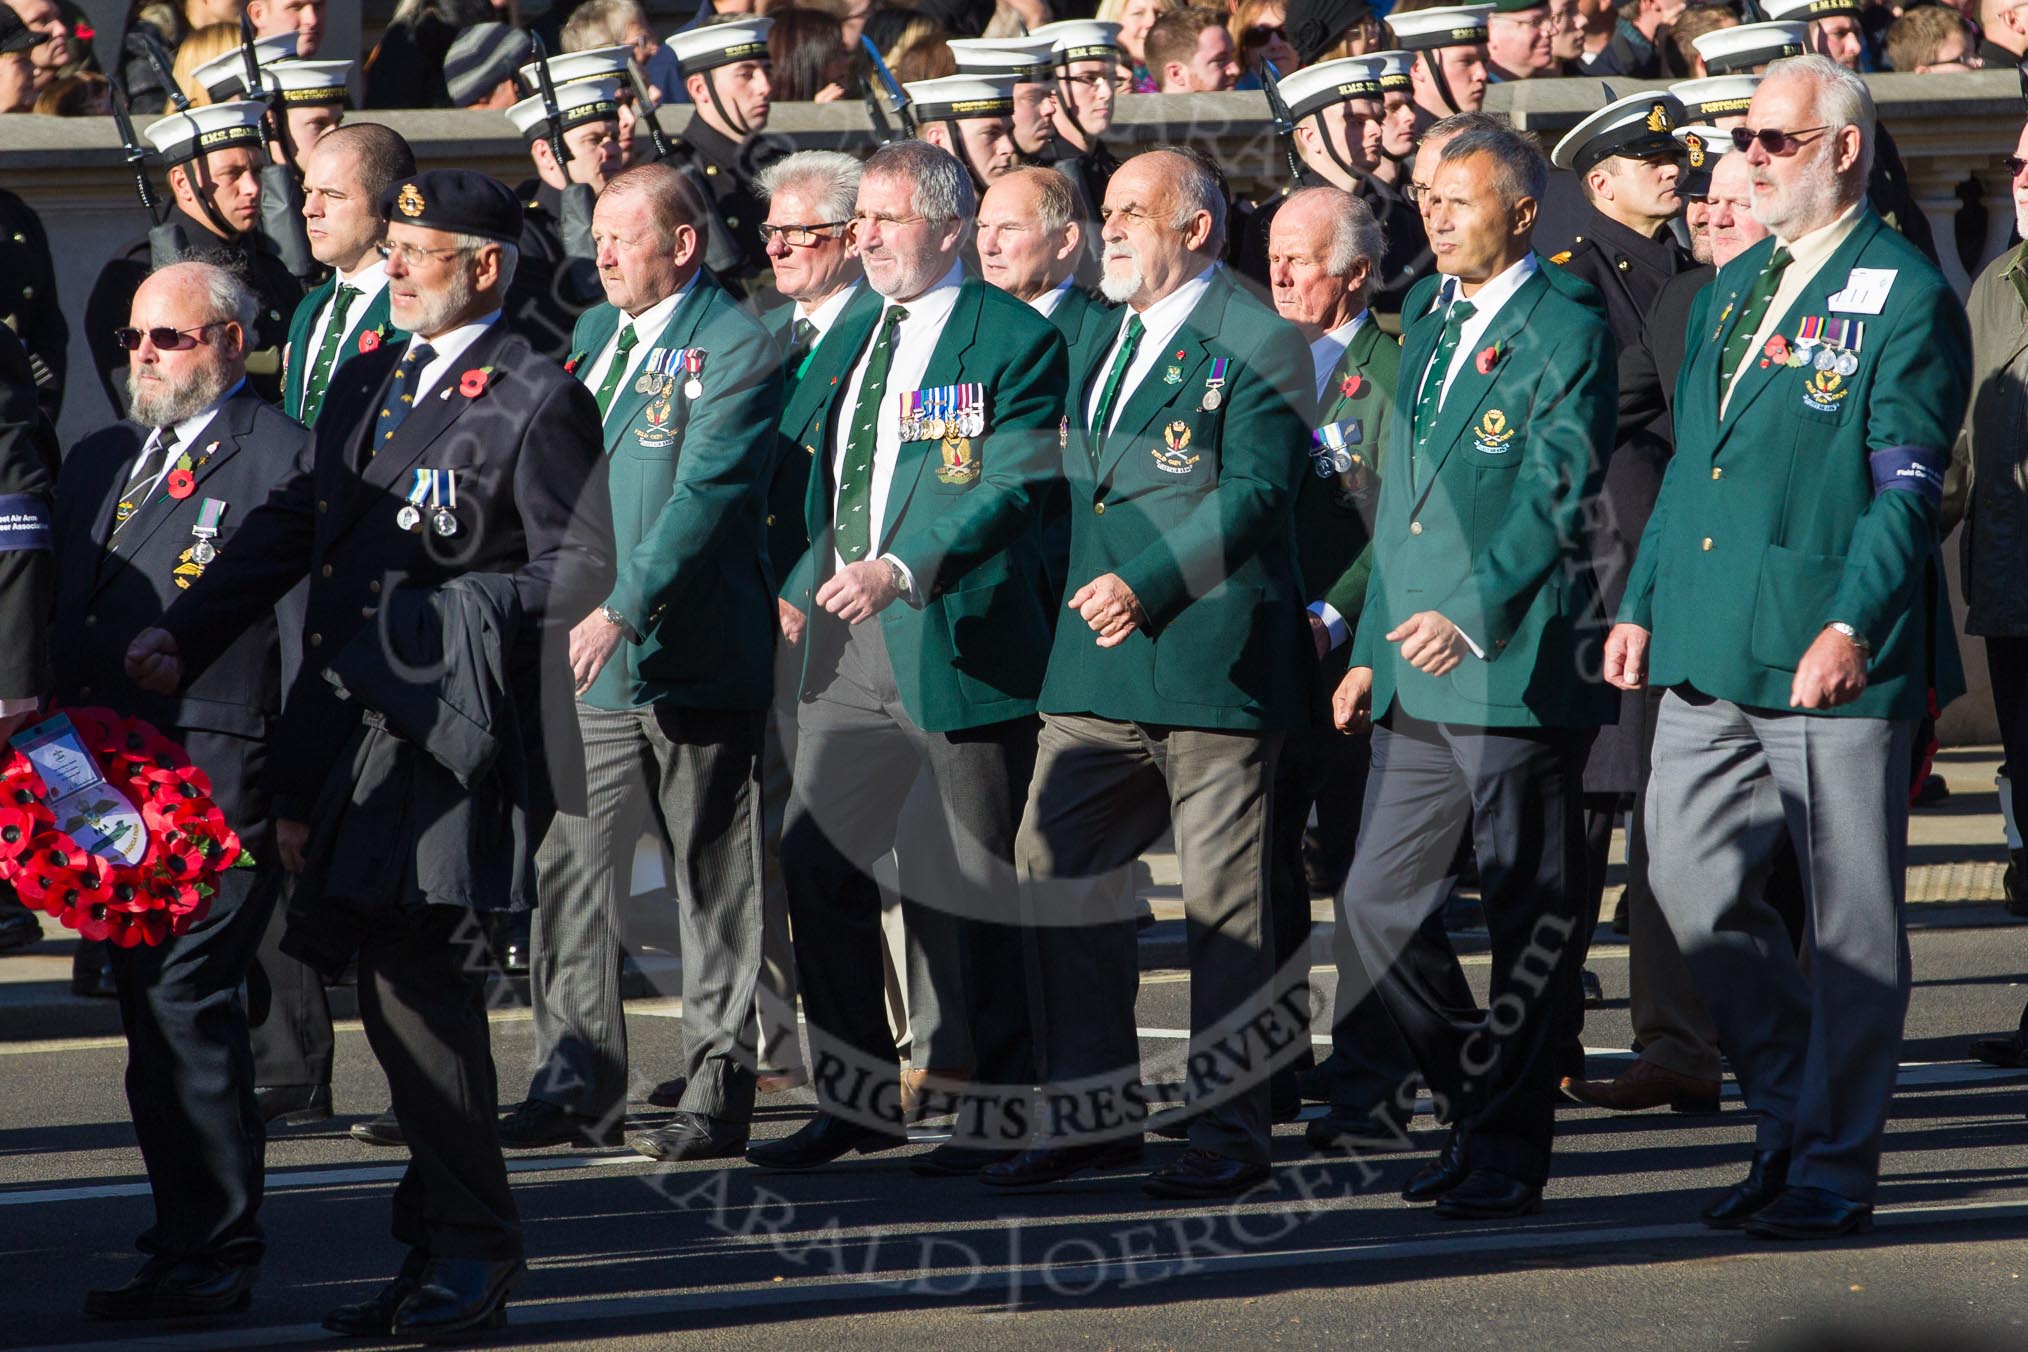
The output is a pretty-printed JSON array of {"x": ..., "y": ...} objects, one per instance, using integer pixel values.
[
  {"x": 532, "y": 505},
  {"x": 112, "y": 585},
  {"x": 28, "y": 465}
]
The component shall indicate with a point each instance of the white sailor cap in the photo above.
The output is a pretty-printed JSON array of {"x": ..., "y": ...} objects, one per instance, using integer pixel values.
[
  {"x": 1081, "y": 40},
  {"x": 189, "y": 135},
  {"x": 1718, "y": 96},
  {"x": 721, "y": 44},
  {"x": 599, "y": 63},
  {"x": 1320, "y": 86},
  {"x": 1393, "y": 69},
  {"x": 309, "y": 84},
  {"x": 1748, "y": 46},
  {"x": 1028, "y": 59},
  {"x": 957, "y": 97},
  {"x": 1636, "y": 125},
  {"x": 1803, "y": 11},
  {"x": 1425, "y": 30},
  {"x": 577, "y": 103},
  {"x": 224, "y": 77}
]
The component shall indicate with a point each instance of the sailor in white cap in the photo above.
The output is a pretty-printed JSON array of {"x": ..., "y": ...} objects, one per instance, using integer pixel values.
[
  {"x": 726, "y": 73},
  {"x": 972, "y": 117},
  {"x": 1091, "y": 72},
  {"x": 1717, "y": 101},
  {"x": 310, "y": 96},
  {"x": 1030, "y": 61},
  {"x": 224, "y": 77},
  {"x": 556, "y": 279},
  {"x": 214, "y": 156},
  {"x": 1748, "y": 48},
  {"x": 1449, "y": 74},
  {"x": 598, "y": 63},
  {"x": 1833, "y": 25}
]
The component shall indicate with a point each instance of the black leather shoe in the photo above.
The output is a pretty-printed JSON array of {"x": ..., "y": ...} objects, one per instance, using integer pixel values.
[
  {"x": 2008, "y": 1053},
  {"x": 375, "y": 1318},
  {"x": 821, "y": 1140},
  {"x": 457, "y": 1297},
  {"x": 1769, "y": 1172},
  {"x": 535, "y": 1123},
  {"x": 691, "y": 1136},
  {"x": 18, "y": 927},
  {"x": 1042, "y": 1164},
  {"x": 1440, "y": 1175},
  {"x": 1343, "y": 1130},
  {"x": 293, "y": 1105},
  {"x": 1594, "y": 993},
  {"x": 382, "y": 1130},
  {"x": 1488, "y": 1194},
  {"x": 952, "y": 1160},
  {"x": 669, "y": 1093},
  {"x": 1314, "y": 1082},
  {"x": 167, "y": 1289},
  {"x": 1204, "y": 1173},
  {"x": 1810, "y": 1213}
]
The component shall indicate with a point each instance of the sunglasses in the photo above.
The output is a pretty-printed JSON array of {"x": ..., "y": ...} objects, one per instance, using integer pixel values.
[
  {"x": 1260, "y": 34},
  {"x": 165, "y": 339},
  {"x": 1773, "y": 140},
  {"x": 2015, "y": 164}
]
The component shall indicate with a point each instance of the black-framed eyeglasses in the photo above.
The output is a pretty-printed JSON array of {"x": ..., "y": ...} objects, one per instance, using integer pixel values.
[
  {"x": 164, "y": 338},
  {"x": 2015, "y": 164},
  {"x": 802, "y": 236},
  {"x": 1772, "y": 139}
]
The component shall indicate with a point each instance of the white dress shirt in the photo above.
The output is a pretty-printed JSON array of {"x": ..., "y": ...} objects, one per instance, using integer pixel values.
[
  {"x": 186, "y": 433},
  {"x": 371, "y": 280},
  {"x": 1807, "y": 257},
  {"x": 1046, "y": 303},
  {"x": 449, "y": 349},
  {"x": 827, "y": 311},
  {"x": 1486, "y": 307},
  {"x": 915, "y": 338},
  {"x": 1159, "y": 323},
  {"x": 647, "y": 326},
  {"x": 1329, "y": 349}
]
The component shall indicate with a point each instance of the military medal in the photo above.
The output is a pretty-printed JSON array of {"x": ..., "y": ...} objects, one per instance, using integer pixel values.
[
  {"x": 645, "y": 385},
  {"x": 975, "y": 423},
  {"x": 1825, "y": 359},
  {"x": 410, "y": 516},
  {"x": 442, "y": 520},
  {"x": 209, "y": 513},
  {"x": 933, "y": 430},
  {"x": 1214, "y": 385},
  {"x": 693, "y": 363},
  {"x": 1846, "y": 365}
]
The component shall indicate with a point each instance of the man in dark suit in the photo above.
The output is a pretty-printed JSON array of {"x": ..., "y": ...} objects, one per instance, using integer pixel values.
[
  {"x": 920, "y": 613},
  {"x": 462, "y": 454},
  {"x": 673, "y": 676},
  {"x": 144, "y": 509},
  {"x": 28, "y": 465},
  {"x": 1171, "y": 682},
  {"x": 1471, "y": 657}
]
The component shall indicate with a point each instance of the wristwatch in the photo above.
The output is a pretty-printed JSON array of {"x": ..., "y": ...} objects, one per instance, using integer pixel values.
[
  {"x": 896, "y": 576},
  {"x": 1858, "y": 640},
  {"x": 614, "y": 618}
]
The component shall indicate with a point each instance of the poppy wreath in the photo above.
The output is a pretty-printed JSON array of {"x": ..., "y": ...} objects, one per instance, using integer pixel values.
[{"x": 189, "y": 844}]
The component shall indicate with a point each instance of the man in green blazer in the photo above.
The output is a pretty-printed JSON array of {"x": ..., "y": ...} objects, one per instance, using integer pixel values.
[
  {"x": 920, "y": 618},
  {"x": 1172, "y": 680},
  {"x": 1475, "y": 660},
  {"x": 343, "y": 178},
  {"x": 1788, "y": 595},
  {"x": 673, "y": 674}
]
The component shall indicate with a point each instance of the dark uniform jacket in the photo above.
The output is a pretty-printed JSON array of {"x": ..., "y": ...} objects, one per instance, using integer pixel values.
[
  {"x": 1887, "y": 189},
  {"x": 550, "y": 288},
  {"x": 106, "y": 595},
  {"x": 28, "y": 467},
  {"x": 522, "y": 440},
  {"x": 1649, "y": 364},
  {"x": 726, "y": 170},
  {"x": 28, "y": 300},
  {"x": 111, "y": 304}
]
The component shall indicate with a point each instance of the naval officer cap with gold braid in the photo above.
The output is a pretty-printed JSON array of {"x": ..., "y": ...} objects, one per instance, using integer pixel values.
[{"x": 1637, "y": 126}]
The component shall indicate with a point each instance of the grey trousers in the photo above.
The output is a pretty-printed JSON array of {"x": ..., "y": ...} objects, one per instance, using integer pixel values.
[
  {"x": 1103, "y": 793},
  {"x": 1815, "y": 1056},
  {"x": 775, "y": 997},
  {"x": 698, "y": 771}
]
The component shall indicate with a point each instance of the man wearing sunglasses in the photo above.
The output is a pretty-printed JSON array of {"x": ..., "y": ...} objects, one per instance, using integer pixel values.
[
  {"x": 464, "y": 475},
  {"x": 214, "y": 156},
  {"x": 145, "y": 508},
  {"x": 1788, "y": 598}
]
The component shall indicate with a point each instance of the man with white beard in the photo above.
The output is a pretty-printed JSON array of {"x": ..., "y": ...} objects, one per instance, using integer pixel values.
[{"x": 1788, "y": 597}]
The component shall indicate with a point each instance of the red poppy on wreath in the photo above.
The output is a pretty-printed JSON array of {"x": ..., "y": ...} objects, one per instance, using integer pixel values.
[
  {"x": 180, "y": 484},
  {"x": 1777, "y": 348},
  {"x": 1350, "y": 386},
  {"x": 17, "y": 831},
  {"x": 1488, "y": 358},
  {"x": 368, "y": 341},
  {"x": 472, "y": 384}
]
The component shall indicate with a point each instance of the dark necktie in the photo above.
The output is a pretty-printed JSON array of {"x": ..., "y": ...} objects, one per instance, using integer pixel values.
[
  {"x": 1431, "y": 398},
  {"x": 616, "y": 368},
  {"x": 147, "y": 469},
  {"x": 855, "y": 478},
  {"x": 1751, "y": 311},
  {"x": 318, "y": 379},
  {"x": 1116, "y": 376},
  {"x": 400, "y": 395},
  {"x": 802, "y": 346}
]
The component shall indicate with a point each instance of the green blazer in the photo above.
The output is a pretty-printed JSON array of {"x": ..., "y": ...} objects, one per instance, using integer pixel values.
[
  {"x": 1088, "y": 325},
  {"x": 688, "y": 479},
  {"x": 1485, "y": 524},
  {"x": 1815, "y": 498},
  {"x": 1193, "y": 508},
  {"x": 296, "y": 357},
  {"x": 971, "y": 648},
  {"x": 788, "y": 535},
  {"x": 1334, "y": 512}
]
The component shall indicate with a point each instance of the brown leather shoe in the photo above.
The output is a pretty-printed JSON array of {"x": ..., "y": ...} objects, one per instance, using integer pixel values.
[
  {"x": 930, "y": 1092},
  {"x": 1646, "y": 1085}
]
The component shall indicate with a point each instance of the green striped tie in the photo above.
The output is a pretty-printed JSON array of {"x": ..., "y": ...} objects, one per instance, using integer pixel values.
[
  {"x": 855, "y": 477},
  {"x": 615, "y": 368},
  {"x": 1430, "y": 400},
  {"x": 1102, "y": 423},
  {"x": 318, "y": 379}
]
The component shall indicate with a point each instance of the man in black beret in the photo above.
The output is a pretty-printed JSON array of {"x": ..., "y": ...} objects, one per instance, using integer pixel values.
[{"x": 457, "y": 470}]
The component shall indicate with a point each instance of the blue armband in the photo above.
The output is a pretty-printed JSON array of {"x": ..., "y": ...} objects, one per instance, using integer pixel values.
[
  {"x": 24, "y": 522},
  {"x": 1909, "y": 469}
]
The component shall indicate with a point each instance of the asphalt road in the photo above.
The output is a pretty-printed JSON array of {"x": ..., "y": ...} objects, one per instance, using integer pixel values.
[{"x": 626, "y": 1254}]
